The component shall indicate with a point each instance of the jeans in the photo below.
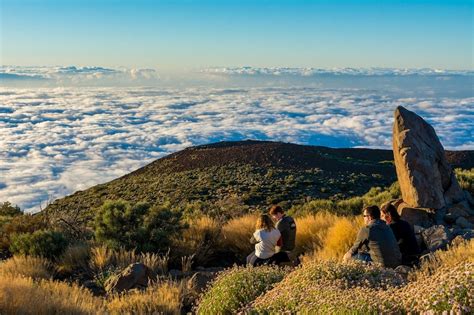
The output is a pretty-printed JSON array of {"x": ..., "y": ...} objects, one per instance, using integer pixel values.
[{"x": 365, "y": 257}]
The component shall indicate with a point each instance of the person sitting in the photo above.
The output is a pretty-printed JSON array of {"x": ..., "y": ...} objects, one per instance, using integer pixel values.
[
  {"x": 287, "y": 227},
  {"x": 404, "y": 234},
  {"x": 265, "y": 238},
  {"x": 375, "y": 241}
]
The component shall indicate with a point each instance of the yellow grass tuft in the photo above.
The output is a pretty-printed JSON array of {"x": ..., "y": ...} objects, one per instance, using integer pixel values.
[
  {"x": 199, "y": 239},
  {"x": 101, "y": 257},
  {"x": 338, "y": 237},
  {"x": 21, "y": 295},
  {"x": 311, "y": 231},
  {"x": 164, "y": 297},
  {"x": 236, "y": 234},
  {"x": 27, "y": 266}
]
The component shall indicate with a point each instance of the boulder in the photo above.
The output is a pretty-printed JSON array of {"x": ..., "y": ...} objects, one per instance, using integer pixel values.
[
  {"x": 135, "y": 276},
  {"x": 416, "y": 216},
  {"x": 425, "y": 177},
  {"x": 436, "y": 237}
]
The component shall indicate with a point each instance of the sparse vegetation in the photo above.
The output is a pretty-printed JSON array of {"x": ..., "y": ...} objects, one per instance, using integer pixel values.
[{"x": 465, "y": 179}]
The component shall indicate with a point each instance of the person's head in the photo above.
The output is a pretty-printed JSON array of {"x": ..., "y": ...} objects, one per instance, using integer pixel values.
[
  {"x": 264, "y": 222},
  {"x": 371, "y": 213},
  {"x": 276, "y": 212},
  {"x": 389, "y": 213}
]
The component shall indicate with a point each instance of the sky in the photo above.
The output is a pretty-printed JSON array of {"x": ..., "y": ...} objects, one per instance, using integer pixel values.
[{"x": 183, "y": 35}]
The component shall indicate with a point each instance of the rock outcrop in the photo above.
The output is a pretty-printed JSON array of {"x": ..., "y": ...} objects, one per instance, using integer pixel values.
[
  {"x": 432, "y": 200},
  {"x": 426, "y": 179}
]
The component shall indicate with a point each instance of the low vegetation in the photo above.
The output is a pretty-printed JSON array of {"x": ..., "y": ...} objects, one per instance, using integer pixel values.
[{"x": 49, "y": 263}]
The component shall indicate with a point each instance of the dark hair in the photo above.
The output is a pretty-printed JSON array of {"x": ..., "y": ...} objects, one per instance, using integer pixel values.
[
  {"x": 275, "y": 209},
  {"x": 390, "y": 209},
  {"x": 373, "y": 211}
]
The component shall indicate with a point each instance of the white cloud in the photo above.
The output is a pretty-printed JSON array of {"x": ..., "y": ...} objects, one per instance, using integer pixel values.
[{"x": 54, "y": 141}]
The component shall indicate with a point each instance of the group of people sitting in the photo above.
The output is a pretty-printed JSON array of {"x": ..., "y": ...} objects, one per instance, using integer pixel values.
[{"x": 385, "y": 239}]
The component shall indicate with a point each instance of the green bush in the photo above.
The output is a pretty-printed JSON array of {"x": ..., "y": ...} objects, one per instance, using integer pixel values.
[
  {"x": 120, "y": 224},
  {"x": 19, "y": 224},
  {"x": 44, "y": 243},
  {"x": 7, "y": 209},
  {"x": 236, "y": 287}
]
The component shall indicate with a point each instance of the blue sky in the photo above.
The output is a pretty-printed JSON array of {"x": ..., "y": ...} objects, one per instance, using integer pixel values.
[{"x": 179, "y": 35}]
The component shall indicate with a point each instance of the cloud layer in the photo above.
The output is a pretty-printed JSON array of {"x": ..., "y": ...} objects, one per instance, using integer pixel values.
[{"x": 54, "y": 141}]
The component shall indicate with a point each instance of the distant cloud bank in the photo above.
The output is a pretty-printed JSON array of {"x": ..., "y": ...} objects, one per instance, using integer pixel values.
[
  {"x": 54, "y": 141},
  {"x": 337, "y": 71}
]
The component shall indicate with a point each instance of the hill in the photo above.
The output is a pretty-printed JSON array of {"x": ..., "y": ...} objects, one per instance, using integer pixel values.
[{"x": 240, "y": 176}]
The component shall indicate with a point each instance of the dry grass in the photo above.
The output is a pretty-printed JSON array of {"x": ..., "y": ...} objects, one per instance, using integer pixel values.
[
  {"x": 455, "y": 255},
  {"x": 200, "y": 240},
  {"x": 75, "y": 257},
  {"x": 27, "y": 266},
  {"x": 103, "y": 258},
  {"x": 164, "y": 297},
  {"x": 311, "y": 231},
  {"x": 21, "y": 295},
  {"x": 236, "y": 234},
  {"x": 340, "y": 237}
]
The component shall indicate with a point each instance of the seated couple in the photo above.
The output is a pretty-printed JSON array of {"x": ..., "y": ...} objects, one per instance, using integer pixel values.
[
  {"x": 390, "y": 242},
  {"x": 273, "y": 242}
]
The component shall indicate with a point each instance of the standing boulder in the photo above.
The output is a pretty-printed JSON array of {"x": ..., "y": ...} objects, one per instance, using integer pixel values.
[{"x": 426, "y": 179}]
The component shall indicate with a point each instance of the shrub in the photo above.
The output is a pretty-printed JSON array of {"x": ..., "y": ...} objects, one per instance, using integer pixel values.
[
  {"x": 235, "y": 287},
  {"x": 120, "y": 224},
  {"x": 7, "y": 209},
  {"x": 465, "y": 179},
  {"x": 236, "y": 234},
  {"x": 20, "y": 295},
  {"x": 43, "y": 243},
  {"x": 199, "y": 239},
  {"x": 27, "y": 266},
  {"x": 19, "y": 224}
]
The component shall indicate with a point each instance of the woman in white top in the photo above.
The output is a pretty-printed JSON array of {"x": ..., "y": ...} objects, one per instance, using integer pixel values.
[{"x": 266, "y": 238}]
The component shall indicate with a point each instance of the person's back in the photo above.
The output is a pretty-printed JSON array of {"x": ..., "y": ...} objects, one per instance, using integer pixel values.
[
  {"x": 406, "y": 239},
  {"x": 266, "y": 242},
  {"x": 382, "y": 244},
  {"x": 287, "y": 227}
]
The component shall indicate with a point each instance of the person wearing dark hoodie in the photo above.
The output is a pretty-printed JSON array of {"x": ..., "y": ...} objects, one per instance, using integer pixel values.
[
  {"x": 375, "y": 241},
  {"x": 287, "y": 227},
  {"x": 404, "y": 234}
]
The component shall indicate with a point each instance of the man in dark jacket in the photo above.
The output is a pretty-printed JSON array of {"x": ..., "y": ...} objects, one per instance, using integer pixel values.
[
  {"x": 375, "y": 241},
  {"x": 404, "y": 234},
  {"x": 287, "y": 227}
]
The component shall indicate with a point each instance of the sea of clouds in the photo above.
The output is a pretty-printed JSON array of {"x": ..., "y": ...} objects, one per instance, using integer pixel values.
[{"x": 57, "y": 140}]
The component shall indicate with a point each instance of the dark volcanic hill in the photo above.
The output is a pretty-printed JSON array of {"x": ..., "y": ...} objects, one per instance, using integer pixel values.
[{"x": 249, "y": 174}]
